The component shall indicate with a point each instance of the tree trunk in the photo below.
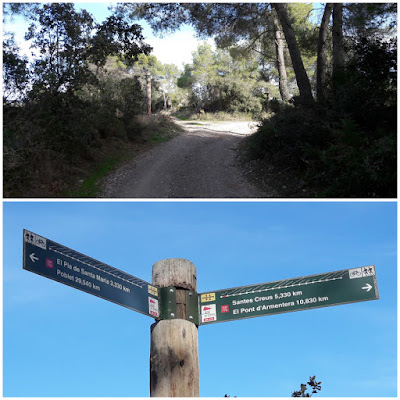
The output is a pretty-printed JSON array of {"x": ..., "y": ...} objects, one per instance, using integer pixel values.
[
  {"x": 337, "y": 40},
  {"x": 280, "y": 61},
  {"x": 322, "y": 57},
  {"x": 301, "y": 76},
  {"x": 148, "y": 92}
]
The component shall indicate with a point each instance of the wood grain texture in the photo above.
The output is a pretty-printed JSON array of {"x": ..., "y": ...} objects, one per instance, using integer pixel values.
[
  {"x": 174, "y": 354},
  {"x": 174, "y": 360},
  {"x": 176, "y": 272}
]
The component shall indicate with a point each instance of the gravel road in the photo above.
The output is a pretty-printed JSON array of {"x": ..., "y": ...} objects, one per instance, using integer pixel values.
[{"x": 202, "y": 162}]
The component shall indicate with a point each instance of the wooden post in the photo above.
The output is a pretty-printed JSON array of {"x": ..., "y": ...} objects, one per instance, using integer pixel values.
[{"x": 174, "y": 356}]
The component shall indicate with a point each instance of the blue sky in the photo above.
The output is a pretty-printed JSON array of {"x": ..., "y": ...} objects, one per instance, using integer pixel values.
[{"x": 59, "y": 341}]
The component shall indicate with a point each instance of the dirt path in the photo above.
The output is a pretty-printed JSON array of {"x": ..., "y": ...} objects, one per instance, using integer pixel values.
[{"x": 200, "y": 163}]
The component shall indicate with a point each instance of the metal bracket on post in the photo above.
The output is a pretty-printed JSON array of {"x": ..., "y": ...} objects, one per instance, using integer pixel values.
[
  {"x": 192, "y": 307},
  {"x": 167, "y": 302},
  {"x": 169, "y": 306}
]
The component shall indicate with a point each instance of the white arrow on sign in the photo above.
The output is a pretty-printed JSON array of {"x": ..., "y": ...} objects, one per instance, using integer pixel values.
[
  {"x": 368, "y": 287},
  {"x": 33, "y": 257}
]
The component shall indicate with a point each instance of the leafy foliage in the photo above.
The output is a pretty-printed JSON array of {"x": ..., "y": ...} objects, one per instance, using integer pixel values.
[
  {"x": 346, "y": 147},
  {"x": 314, "y": 386},
  {"x": 15, "y": 70},
  {"x": 60, "y": 35},
  {"x": 116, "y": 37},
  {"x": 370, "y": 83},
  {"x": 65, "y": 41},
  {"x": 65, "y": 103},
  {"x": 370, "y": 19},
  {"x": 165, "y": 91},
  {"x": 219, "y": 81},
  {"x": 247, "y": 27},
  {"x": 336, "y": 157}
]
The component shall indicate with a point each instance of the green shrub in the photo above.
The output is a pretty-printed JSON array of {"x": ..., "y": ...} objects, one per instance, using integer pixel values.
[{"x": 336, "y": 157}]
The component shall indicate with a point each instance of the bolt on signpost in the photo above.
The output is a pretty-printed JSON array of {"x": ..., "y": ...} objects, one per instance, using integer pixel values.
[{"x": 178, "y": 309}]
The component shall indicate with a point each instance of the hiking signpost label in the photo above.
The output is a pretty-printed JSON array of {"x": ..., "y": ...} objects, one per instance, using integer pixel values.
[
  {"x": 329, "y": 289},
  {"x": 57, "y": 262},
  {"x": 175, "y": 297}
]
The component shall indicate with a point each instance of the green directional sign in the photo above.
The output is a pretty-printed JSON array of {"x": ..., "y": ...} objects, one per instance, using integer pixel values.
[
  {"x": 322, "y": 290},
  {"x": 54, "y": 261}
]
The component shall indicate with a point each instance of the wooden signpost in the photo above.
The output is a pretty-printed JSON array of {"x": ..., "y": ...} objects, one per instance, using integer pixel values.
[
  {"x": 172, "y": 300},
  {"x": 174, "y": 354}
]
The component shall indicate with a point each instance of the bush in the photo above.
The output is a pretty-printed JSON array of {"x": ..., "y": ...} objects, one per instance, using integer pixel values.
[
  {"x": 51, "y": 133},
  {"x": 233, "y": 96},
  {"x": 348, "y": 149},
  {"x": 336, "y": 157},
  {"x": 152, "y": 128},
  {"x": 362, "y": 165},
  {"x": 368, "y": 93},
  {"x": 289, "y": 136}
]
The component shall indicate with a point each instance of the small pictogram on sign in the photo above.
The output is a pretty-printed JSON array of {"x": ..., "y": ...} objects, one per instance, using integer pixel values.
[
  {"x": 207, "y": 297},
  {"x": 368, "y": 271},
  {"x": 208, "y": 313},
  {"x": 153, "y": 307},
  {"x": 153, "y": 290}
]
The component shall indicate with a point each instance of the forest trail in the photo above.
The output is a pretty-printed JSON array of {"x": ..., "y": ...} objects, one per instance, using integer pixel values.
[{"x": 201, "y": 162}]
